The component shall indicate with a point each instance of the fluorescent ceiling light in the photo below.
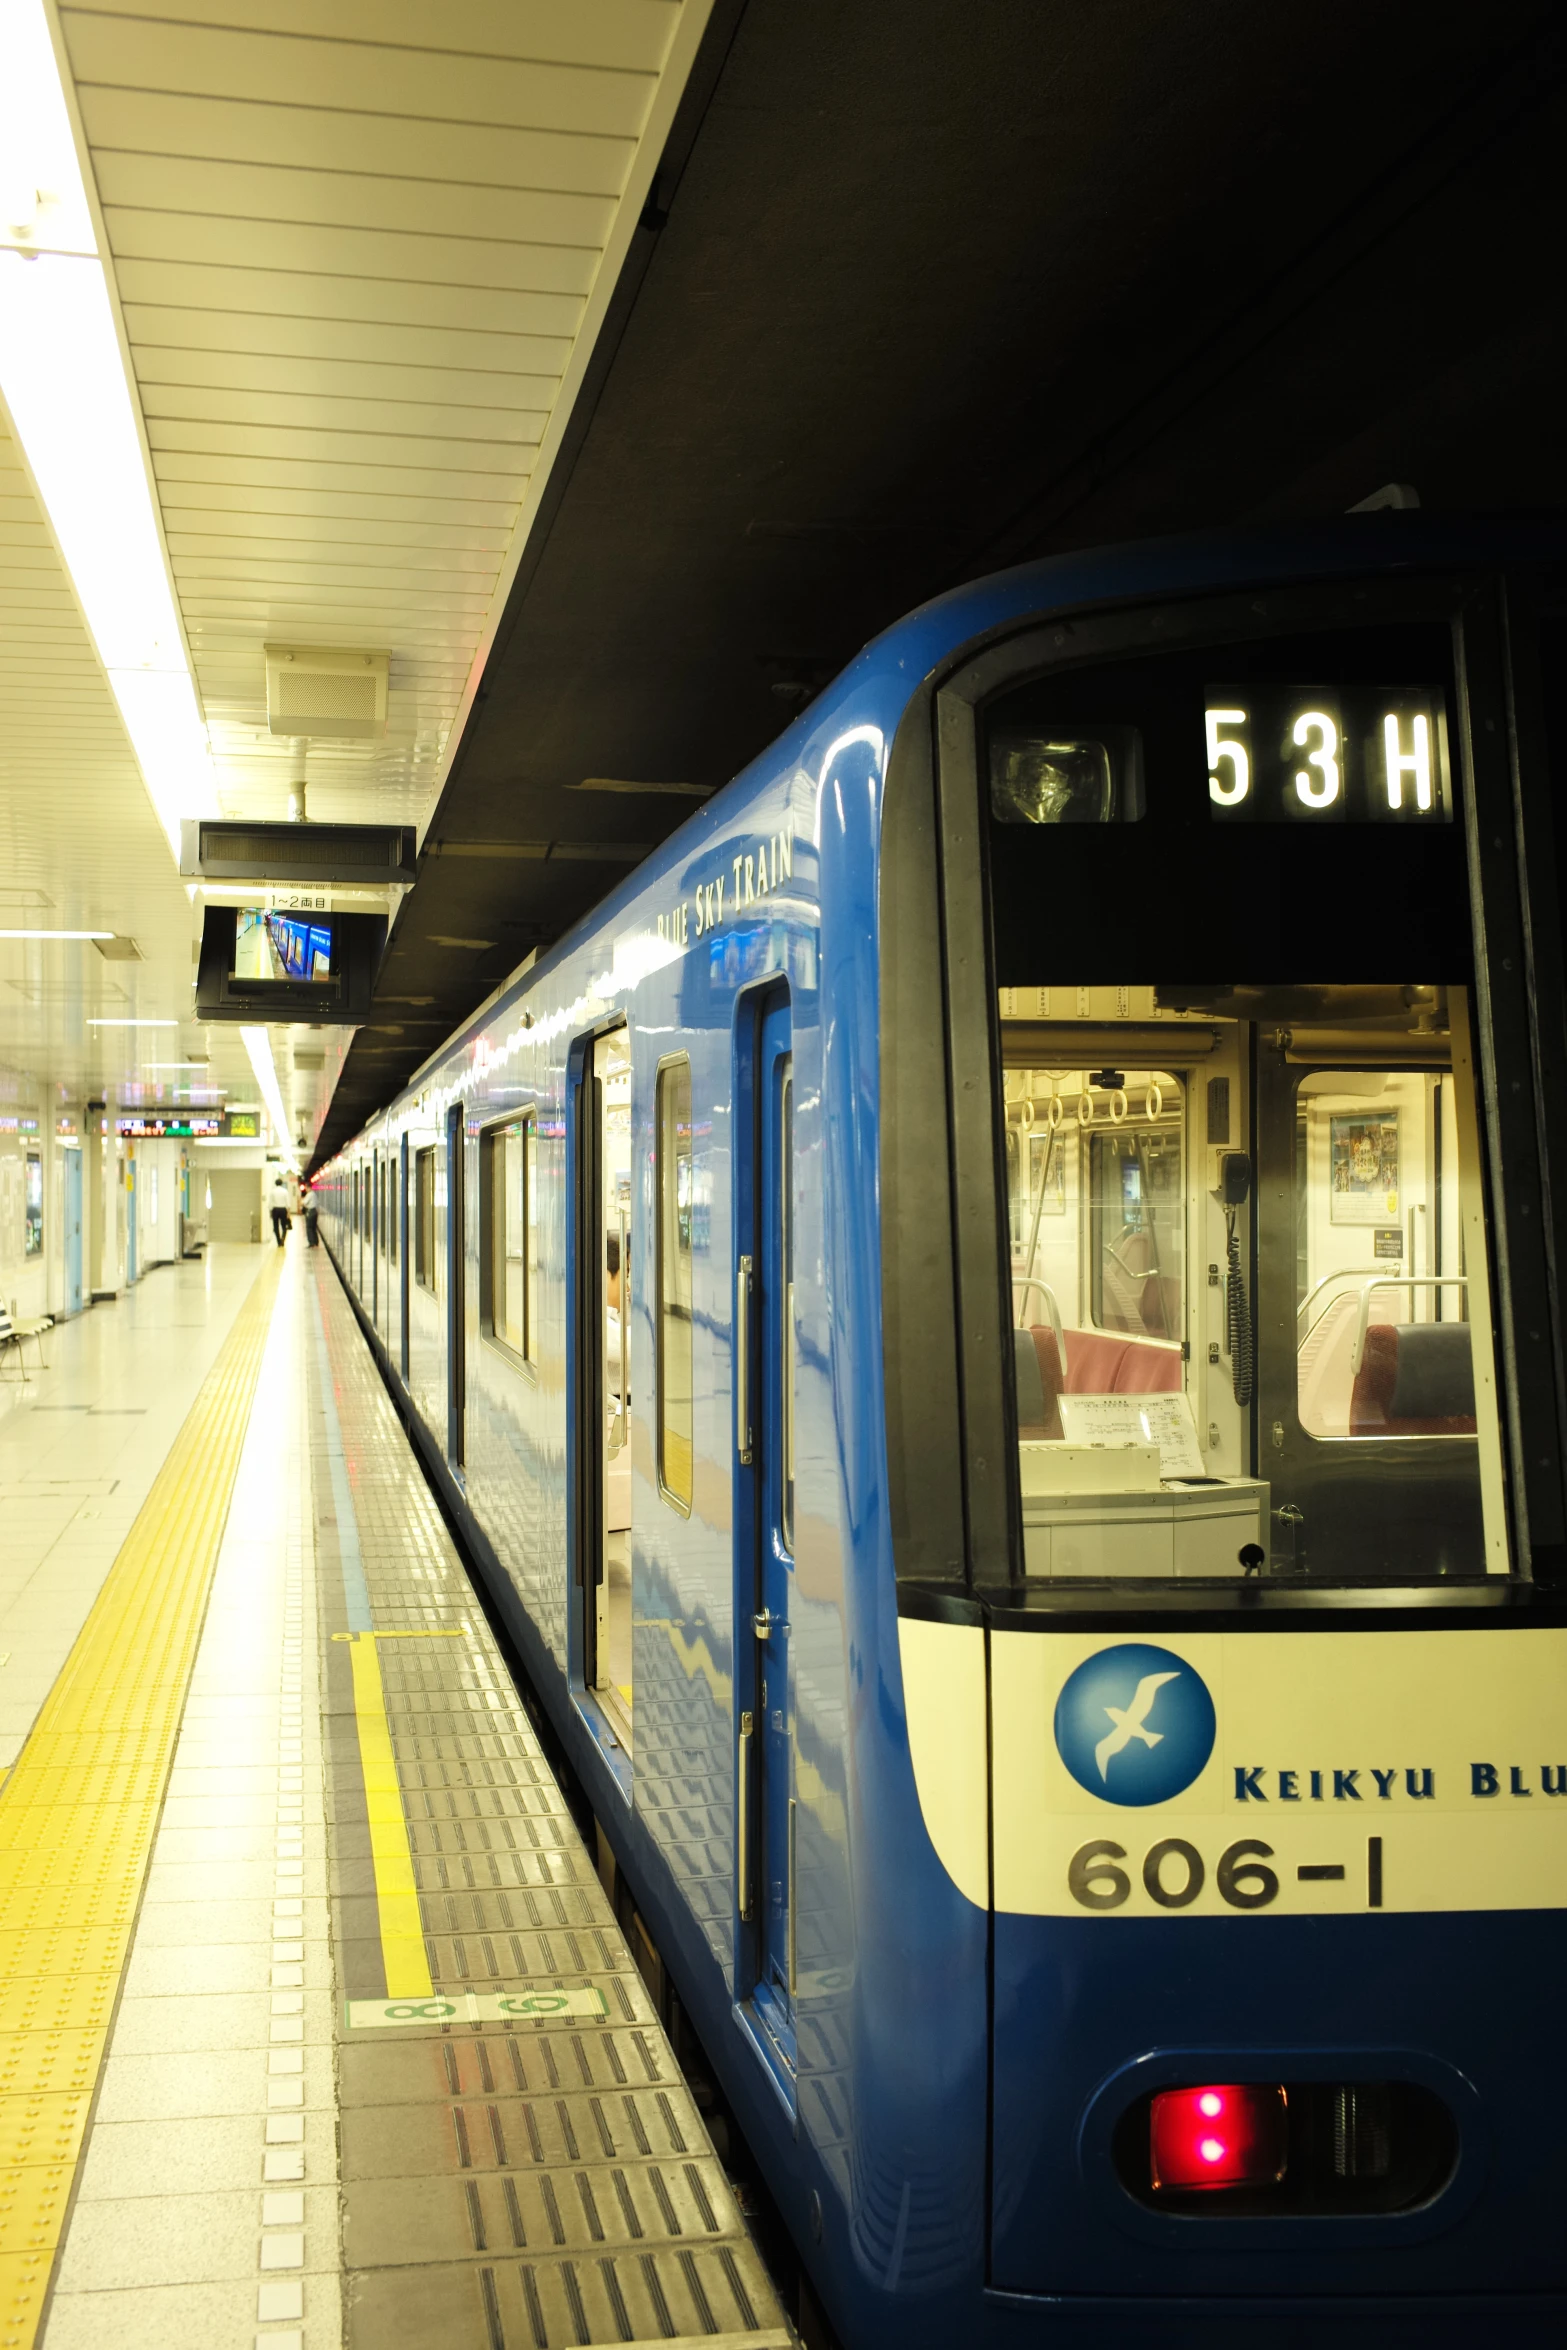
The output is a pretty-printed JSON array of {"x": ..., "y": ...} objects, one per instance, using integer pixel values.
[
  {"x": 259, "y": 1046},
  {"x": 133, "y": 1024},
  {"x": 56, "y": 934},
  {"x": 63, "y": 381}
]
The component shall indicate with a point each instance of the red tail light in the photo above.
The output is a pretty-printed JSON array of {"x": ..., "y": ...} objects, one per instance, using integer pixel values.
[{"x": 1221, "y": 2134}]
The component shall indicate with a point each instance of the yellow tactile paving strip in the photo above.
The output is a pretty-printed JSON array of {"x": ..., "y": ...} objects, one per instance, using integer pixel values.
[
  {"x": 80, "y": 1808},
  {"x": 397, "y": 1897}
]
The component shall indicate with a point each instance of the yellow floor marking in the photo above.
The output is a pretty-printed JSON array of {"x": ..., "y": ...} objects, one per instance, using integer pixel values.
[
  {"x": 420, "y": 1632},
  {"x": 79, "y": 1810},
  {"x": 396, "y": 1896}
]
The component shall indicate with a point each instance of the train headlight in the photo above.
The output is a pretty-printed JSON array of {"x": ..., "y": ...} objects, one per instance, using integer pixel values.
[{"x": 1218, "y": 2134}]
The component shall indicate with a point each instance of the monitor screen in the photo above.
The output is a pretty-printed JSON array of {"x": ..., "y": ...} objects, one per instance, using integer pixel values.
[{"x": 280, "y": 946}]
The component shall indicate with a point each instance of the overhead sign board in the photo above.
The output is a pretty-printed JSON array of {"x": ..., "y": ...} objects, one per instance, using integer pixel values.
[
  {"x": 235, "y": 850},
  {"x": 182, "y": 1127}
]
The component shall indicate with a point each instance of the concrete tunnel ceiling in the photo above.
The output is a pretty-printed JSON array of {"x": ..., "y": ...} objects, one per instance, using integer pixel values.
[{"x": 921, "y": 292}]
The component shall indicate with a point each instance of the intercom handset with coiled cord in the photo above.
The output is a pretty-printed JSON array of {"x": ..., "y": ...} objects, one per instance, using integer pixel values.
[{"x": 1240, "y": 1345}]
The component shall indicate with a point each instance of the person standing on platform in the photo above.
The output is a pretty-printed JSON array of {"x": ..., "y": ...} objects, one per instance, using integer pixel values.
[
  {"x": 312, "y": 1219},
  {"x": 280, "y": 1210}
]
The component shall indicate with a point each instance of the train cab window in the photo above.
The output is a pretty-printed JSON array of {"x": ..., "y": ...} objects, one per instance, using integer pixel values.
[
  {"x": 673, "y": 1178},
  {"x": 509, "y": 1214},
  {"x": 1323, "y": 1402},
  {"x": 1247, "y": 1225},
  {"x": 426, "y": 1235}
]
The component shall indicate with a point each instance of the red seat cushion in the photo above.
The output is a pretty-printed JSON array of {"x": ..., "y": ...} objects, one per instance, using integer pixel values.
[
  {"x": 1093, "y": 1360},
  {"x": 1374, "y": 1404},
  {"x": 1097, "y": 1363},
  {"x": 1149, "y": 1370}
]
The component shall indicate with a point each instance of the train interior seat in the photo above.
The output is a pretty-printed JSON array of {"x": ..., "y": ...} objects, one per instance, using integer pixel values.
[
  {"x": 1415, "y": 1379},
  {"x": 1098, "y": 1362},
  {"x": 1037, "y": 1414}
]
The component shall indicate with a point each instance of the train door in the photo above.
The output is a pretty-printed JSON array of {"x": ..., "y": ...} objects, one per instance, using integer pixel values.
[
  {"x": 374, "y": 1221},
  {"x": 72, "y": 1163},
  {"x": 401, "y": 1253},
  {"x": 385, "y": 1257},
  {"x": 603, "y": 1383},
  {"x": 456, "y": 1319},
  {"x": 383, "y": 1192},
  {"x": 764, "y": 1518},
  {"x": 383, "y": 1248},
  {"x": 1371, "y": 1274}
]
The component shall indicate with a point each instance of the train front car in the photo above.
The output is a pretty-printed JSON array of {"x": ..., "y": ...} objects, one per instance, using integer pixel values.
[{"x": 1221, "y": 1094}]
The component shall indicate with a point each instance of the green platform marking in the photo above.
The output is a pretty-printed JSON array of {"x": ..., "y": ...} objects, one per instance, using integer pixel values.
[{"x": 476, "y": 2007}]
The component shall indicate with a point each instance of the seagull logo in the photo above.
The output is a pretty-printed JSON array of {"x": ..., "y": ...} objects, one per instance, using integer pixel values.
[
  {"x": 1133, "y": 1687},
  {"x": 1131, "y": 1721}
]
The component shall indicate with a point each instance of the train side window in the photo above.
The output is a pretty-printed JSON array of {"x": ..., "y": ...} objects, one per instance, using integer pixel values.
[
  {"x": 673, "y": 1180},
  {"x": 1137, "y": 1212},
  {"x": 1387, "y": 1181},
  {"x": 426, "y": 1254},
  {"x": 509, "y": 1215},
  {"x": 393, "y": 1205},
  {"x": 1096, "y": 1207}
]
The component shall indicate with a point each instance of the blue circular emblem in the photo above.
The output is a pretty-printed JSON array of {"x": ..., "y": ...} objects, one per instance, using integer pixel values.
[{"x": 1135, "y": 1724}]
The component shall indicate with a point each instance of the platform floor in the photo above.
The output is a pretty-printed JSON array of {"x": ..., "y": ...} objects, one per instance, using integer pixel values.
[
  {"x": 81, "y": 1440},
  {"x": 318, "y": 2026}
]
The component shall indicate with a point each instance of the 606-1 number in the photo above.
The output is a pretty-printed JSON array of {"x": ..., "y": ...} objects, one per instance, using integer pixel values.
[{"x": 1173, "y": 1875}]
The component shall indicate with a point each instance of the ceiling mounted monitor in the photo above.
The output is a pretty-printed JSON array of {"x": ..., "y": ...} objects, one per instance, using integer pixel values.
[
  {"x": 265, "y": 963},
  {"x": 234, "y": 850}
]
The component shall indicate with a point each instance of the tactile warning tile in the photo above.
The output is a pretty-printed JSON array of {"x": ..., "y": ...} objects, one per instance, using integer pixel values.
[
  {"x": 42, "y": 2130},
  {"x": 527, "y": 2185},
  {"x": 716, "y": 2298},
  {"x": 79, "y": 1810}
]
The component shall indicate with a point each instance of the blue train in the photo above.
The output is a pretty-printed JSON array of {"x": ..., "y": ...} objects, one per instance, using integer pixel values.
[
  {"x": 992, "y": 1318},
  {"x": 304, "y": 949}
]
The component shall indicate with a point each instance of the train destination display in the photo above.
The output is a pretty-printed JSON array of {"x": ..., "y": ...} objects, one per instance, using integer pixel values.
[{"x": 1349, "y": 754}]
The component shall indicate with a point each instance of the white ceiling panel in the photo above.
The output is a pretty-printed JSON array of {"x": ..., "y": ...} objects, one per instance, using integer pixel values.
[
  {"x": 430, "y": 350},
  {"x": 286, "y": 294},
  {"x": 82, "y": 848},
  {"x": 414, "y": 207},
  {"x": 359, "y": 250},
  {"x": 325, "y": 249},
  {"x": 419, "y": 82},
  {"x": 437, "y": 546},
  {"x": 496, "y": 396},
  {"x": 220, "y": 455},
  {"x": 626, "y": 33},
  {"x": 156, "y": 122}
]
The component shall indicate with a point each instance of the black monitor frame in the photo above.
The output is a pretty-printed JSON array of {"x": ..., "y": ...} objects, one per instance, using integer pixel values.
[{"x": 343, "y": 1001}]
